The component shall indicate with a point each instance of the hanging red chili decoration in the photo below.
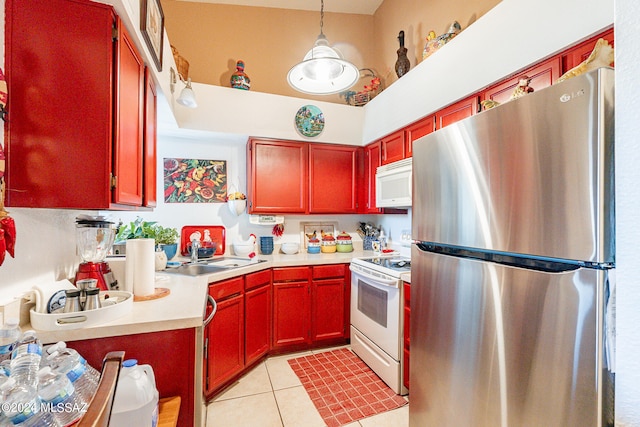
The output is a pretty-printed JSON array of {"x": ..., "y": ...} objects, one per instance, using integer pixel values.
[
  {"x": 2, "y": 247},
  {"x": 7, "y": 224},
  {"x": 278, "y": 229},
  {"x": 8, "y": 228}
]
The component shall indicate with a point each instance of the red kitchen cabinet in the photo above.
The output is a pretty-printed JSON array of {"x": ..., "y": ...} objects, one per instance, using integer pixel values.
[
  {"x": 393, "y": 147},
  {"x": 574, "y": 56},
  {"x": 456, "y": 112},
  {"x": 291, "y": 308},
  {"x": 171, "y": 354},
  {"x": 372, "y": 159},
  {"x": 333, "y": 178},
  {"x": 277, "y": 176},
  {"x": 150, "y": 140},
  {"x": 328, "y": 306},
  {"x": 75, "y": 112},
  {"x": 257, "y": 303},
  {"x": 417, "y": 130},
  {"x": 224, "y": 335},
  {"x": 542, "y": 75}
]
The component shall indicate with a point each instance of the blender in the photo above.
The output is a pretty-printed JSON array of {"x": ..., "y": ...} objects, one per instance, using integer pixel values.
[{"x": 94, "y": 239}]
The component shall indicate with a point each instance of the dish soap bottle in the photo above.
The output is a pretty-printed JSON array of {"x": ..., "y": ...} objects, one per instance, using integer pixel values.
[{"x": 383, "y": 240}]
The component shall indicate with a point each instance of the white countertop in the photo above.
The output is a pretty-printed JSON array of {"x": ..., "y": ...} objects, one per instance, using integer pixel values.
[{"x": 185, "y": 304}]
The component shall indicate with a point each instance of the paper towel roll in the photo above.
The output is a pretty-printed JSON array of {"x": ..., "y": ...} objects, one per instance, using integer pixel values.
[{"x": 140, "y": 267}]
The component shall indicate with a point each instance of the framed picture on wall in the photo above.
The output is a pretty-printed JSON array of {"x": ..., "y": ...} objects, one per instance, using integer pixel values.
[{"x": 152, "y": 28}]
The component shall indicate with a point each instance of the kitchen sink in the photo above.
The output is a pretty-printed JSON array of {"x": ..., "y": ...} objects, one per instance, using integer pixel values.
[
  {"x": 231, "y": 262},
  {"x": 212, "y": 266},
  {"x": 195, "y": 269}
]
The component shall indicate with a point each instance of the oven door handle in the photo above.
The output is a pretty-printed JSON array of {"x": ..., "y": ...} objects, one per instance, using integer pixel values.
[{"x": 379, "y": 280}]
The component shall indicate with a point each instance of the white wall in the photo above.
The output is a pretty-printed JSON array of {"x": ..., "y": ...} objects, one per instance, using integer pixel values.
[
  {"x": 213, "y": 146},
  {"x": 627, "y": 17}
]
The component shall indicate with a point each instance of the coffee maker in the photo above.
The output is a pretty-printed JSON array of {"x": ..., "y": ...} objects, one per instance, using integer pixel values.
[{"x": 94, "y": 239}]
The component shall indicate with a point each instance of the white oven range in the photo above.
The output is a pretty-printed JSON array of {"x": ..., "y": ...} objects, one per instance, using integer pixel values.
[{"x": 377, "y": 315}]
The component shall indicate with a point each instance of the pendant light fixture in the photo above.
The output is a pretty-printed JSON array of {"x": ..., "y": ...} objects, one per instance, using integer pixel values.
[{"x": 323, "y": 71}]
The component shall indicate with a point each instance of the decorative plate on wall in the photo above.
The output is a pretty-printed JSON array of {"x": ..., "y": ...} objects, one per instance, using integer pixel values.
[{"x": 309, "y": 121}]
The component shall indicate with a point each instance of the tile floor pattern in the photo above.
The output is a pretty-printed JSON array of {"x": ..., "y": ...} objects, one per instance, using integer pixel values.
[
  {"x": 271, "y": 395},
  {"x": 342, "y": 387}
]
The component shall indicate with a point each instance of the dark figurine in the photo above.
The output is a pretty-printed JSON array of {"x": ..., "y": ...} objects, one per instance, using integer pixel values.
[{"x": 402, "y": 64}]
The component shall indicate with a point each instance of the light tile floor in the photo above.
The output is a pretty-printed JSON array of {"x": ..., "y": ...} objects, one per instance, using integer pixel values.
[{"x": 271, "y": 395}]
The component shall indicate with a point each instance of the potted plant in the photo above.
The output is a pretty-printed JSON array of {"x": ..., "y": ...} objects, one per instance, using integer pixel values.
[{"x": 166, "y": 238}]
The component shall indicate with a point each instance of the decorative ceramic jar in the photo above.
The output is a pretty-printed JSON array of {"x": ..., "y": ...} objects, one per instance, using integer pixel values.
[
  {"x": 328, "y": 244},
  {"x": 343, "y": 242},
  {"x": 313, "y": 245},
  {"x": 239, "y": 80},
  {"x": 402, "y": 63}
]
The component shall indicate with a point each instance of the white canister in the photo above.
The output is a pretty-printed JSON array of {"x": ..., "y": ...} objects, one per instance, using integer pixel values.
[{"x": 136, "y": 400}]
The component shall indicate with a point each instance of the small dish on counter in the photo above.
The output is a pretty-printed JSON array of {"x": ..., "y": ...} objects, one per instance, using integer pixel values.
[{"x": 290, "y": 248}]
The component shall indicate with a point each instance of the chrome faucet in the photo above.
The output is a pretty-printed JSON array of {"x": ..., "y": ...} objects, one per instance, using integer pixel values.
[{"x": 195, "y": 245}]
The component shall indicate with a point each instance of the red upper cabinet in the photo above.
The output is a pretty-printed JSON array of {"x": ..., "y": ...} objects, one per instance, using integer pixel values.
[
  {"x": 393, "y": 147},
  {"x": 417, "y": 130},
  {"x": 129, "y": 105},
  {"x": 75, "y": 107},
  {"x": 333, "y": 178},
  {"x": 579, "y": 53},
  {"x": 277, "y": 176},
  {"x": 456, "y": 112},
  {"x": 299, "y": 177},
  {"x": 150, "y": 140},
  {"x": 542, "y": 75},
  {"x": 372, "y": 159}
]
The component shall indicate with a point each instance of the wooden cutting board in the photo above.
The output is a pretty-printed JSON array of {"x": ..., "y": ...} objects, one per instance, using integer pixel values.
[{"x": 217, "y": 234}]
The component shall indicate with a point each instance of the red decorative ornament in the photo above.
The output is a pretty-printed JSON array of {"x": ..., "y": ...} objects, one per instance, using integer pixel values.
[{"x": 278, "y": 230}]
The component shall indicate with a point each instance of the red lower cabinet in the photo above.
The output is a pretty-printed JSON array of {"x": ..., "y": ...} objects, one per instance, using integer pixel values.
[
  {"x": 224, "y": 336},
  {"x": 309, "y": 306},
  {"x": 290, "y": 308},
  {"x": 328, "y": 303},
  {"x": 171, "y": 354},
  {"x": 257, "y": 312}
]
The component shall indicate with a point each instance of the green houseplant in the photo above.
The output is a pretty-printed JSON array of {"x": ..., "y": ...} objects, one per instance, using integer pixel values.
[{"x": 166, "y": 238}]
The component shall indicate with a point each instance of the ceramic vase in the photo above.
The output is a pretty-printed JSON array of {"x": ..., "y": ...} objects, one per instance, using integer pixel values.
[
  {"x": 239, "y": 80},
  {"x": 402, "y": 63}
]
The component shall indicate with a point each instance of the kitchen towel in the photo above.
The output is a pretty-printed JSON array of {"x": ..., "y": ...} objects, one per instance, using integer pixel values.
[{"x": 140, "y": 268}]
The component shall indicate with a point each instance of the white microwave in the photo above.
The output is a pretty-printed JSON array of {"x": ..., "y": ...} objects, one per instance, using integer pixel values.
[{"x": 393, "y": 184}]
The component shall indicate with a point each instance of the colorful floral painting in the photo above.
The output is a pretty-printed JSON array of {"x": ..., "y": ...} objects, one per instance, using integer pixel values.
[{"x": 195, "y": 181}]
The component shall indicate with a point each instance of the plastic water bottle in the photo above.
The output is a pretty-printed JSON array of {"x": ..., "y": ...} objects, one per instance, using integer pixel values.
[
  {"x": 25, "y": 360},
  {"x": 22, "y": 406},
  {"x": 76, "y": 372},
  {"x": 85, "y": 378},
  {"x": 62, "y": 348},
  {"x": 59, "y": 396},
  {"x": 136, "y": 400},
  {"x": 9, "y": 336}
]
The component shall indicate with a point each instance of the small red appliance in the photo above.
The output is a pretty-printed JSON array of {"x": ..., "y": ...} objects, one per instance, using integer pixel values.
[{"x": 94, "y": 239}]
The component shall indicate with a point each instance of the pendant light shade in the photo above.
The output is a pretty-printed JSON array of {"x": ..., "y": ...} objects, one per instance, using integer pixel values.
[
  {"x": 323, "y": 71},
  {"x": 187, "y": 96}
]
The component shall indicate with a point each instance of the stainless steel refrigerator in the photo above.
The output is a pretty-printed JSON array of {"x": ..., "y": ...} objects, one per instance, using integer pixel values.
[{"x": 512, "y": 314}]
